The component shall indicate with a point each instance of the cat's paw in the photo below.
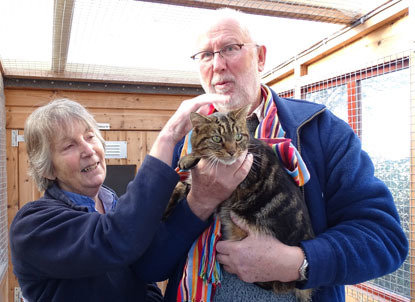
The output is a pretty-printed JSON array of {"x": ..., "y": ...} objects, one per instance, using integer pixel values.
[{"x": 187, "y": 162}]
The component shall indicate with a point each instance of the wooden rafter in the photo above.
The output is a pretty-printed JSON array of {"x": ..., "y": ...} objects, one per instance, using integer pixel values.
[
  {"x": 1, "y": 69},
  {"x": 299, "y": 9},
  {"x": 62, "y": 24}
]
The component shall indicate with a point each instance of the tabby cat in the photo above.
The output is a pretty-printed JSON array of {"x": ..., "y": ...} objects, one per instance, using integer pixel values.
[{"x": 268, "y": 200}]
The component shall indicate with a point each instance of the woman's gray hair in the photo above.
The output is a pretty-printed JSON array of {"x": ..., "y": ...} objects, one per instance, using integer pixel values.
[{"x": 41, "y": 128}]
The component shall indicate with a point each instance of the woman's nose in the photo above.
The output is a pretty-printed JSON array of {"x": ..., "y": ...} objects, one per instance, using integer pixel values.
[{"x": 87, "y": 149}]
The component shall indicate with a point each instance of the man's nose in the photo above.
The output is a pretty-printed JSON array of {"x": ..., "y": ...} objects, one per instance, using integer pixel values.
[{"x": 218, "y": 62}]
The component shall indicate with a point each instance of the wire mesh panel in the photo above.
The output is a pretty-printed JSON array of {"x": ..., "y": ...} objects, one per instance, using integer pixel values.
[
  {"x": 376, "y": 102},
  {"x": 3, "y": 188}
]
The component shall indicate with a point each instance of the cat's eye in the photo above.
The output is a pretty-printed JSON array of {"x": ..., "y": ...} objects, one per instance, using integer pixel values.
[
  {"x": 238, "y": 137},
  {"x": 216, "y": 139}
]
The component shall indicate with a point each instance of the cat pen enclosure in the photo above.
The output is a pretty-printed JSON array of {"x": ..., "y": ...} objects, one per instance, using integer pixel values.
[{"x": 361, "y": 66}]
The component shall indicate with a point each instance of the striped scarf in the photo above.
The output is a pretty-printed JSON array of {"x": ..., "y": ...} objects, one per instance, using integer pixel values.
[{"x": 202, "y": 273}]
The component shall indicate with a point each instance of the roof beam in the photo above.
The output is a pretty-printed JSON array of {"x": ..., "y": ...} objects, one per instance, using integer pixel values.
[
  {"x": 388, "y": 13},
  {"x": 1, "y": 70},
  {"x": 299, "y": 9},
  {"x": 62, "y": 24}
]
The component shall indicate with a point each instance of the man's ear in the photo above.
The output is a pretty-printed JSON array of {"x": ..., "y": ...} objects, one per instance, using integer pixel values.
[{"x": 262, "y": 55}]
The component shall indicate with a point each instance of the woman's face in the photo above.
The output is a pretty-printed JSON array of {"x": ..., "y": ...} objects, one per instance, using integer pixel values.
[{"x": 78, "y": 159}]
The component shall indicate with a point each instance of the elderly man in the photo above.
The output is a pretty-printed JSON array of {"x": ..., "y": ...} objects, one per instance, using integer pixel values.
[{"x": 357, "y": 227}]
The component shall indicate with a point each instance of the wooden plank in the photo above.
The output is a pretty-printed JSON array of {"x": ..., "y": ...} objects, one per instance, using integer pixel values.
[
  {"x": 115, "y": 74},
  {"x": 62, "y": 25},
  {"x": 12, "y": 164},
  {"x": 27, "y": 188},
  {"x": 304, "y": 10},
  {"x": 133, "y": 121},
  {"x": 118, "y": 119},
  {"x": 151, "y": 137},
  {"x": 35, "y": 98},
  {"x": 135, "y": 147},
  {"x": 1, "y": 69}
]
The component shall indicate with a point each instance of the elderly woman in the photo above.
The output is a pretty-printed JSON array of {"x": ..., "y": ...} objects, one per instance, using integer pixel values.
[{"x": 79, "y": 241}]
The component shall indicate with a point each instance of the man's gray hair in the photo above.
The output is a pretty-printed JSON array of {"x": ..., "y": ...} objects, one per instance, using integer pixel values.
[
  {"x": 41, "y": 129},
  {"x": 213, "y": 17}
]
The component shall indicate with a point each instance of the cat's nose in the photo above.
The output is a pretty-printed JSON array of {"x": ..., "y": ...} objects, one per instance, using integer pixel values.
[
  {"x": 231, "y": 153},
  {"x": 230, "y": 148}
]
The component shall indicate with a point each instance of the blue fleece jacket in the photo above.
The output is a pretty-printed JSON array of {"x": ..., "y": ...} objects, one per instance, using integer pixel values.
[
  {"x": 61, "y": 252},
  {"x": 357, "y": 227}
]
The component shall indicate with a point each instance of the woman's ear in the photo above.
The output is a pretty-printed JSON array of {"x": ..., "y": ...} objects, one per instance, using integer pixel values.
[{"x": 50, "y": 175}]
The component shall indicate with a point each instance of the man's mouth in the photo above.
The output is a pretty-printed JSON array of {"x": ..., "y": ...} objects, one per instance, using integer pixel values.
[
  {"x": 222, "y": 82},
  {"x": 222, "y": 85},
  {"x": 90, "y": 168}
]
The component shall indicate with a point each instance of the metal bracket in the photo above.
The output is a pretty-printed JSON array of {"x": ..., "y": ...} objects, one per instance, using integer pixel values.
[
  {"x": 16, "y": 138},
  {"x": 104, "y": 126},
  {"x": 18, "y": 295},
  {"x": 116, "y": 149}
]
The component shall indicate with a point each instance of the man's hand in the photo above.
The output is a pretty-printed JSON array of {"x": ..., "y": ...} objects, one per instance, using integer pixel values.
[
  {"x": 213, "y": 183},
  {"x": 259, "y": 258}
]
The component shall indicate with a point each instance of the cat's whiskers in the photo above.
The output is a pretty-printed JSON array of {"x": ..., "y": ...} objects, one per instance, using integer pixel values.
[
  {"x": 256, "y": 163},
  {"x": 213, "y": 162}
]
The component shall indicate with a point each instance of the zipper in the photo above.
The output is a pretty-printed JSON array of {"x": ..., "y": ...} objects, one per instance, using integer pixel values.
[{"x": 298, "y": 134}]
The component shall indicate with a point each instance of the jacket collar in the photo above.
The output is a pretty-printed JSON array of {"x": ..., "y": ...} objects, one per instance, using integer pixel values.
[{"x": 55, "y": 192}]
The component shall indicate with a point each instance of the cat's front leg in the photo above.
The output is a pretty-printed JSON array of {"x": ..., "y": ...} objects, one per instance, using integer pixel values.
[
  {"x": 237, "y": 233},
  {"x": 230, "y": 231},
  {"x": 188, "y": 161}
]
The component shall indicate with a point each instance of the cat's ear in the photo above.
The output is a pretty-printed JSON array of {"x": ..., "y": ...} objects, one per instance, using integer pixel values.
[
  {"x": 241, "y": 113},
  {"x": 198, "y": 119}
]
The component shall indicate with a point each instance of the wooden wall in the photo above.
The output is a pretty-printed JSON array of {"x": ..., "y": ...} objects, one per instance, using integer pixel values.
[{"x": 135, "y": 118}]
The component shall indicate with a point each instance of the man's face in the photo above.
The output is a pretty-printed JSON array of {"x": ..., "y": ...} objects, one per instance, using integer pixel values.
[{"x": 238, "y": 76}]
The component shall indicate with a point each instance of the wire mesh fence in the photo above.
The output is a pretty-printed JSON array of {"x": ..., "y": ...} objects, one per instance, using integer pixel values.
[{"x": 376, "y": 100}]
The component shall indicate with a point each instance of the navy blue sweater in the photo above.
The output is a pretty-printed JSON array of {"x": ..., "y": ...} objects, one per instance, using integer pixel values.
[
  {"x": 358, "y": 231},
  {"x": 61, "y": 252}
]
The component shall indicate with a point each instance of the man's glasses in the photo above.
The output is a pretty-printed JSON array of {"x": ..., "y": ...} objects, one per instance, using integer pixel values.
[{"x": 227, "y": 52}]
